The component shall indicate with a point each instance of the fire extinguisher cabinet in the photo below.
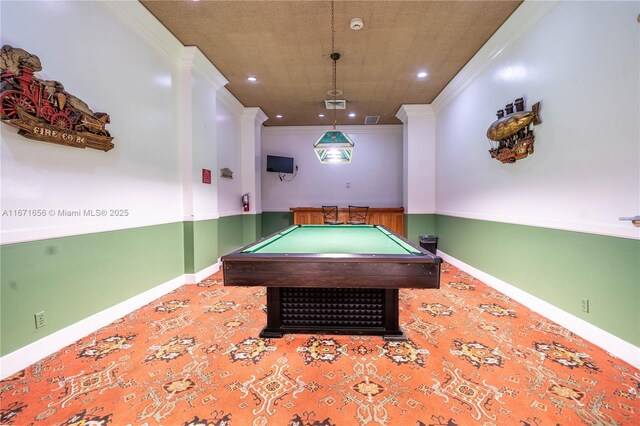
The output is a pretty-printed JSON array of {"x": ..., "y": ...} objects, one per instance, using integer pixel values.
[{"x": 245, "y": 202}]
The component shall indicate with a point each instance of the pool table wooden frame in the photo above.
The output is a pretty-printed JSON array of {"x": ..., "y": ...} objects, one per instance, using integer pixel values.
[{"x": 383, "y": 274}]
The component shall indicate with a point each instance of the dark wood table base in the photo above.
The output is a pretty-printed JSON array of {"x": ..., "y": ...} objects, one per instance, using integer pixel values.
[{"x": 354, "y": 311}]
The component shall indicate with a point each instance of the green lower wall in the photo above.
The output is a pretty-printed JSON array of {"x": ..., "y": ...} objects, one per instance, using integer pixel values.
[
  {"x": 416, "y": 225},
  {"x": 189, "y": 250},
  {"x": 230, "y": 236},
  {"x": 560, "y": 267},
  {"x": 275, "y": 221},
  {"x": 211, "y": 239},
  {"x": 75, "y": 277},
  {"x": 205, "y": 244},
  {"x": 251, "y": 228}
]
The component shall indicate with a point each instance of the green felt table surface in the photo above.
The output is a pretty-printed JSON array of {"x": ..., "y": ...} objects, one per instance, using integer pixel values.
[{"x": 334, "y": 239}]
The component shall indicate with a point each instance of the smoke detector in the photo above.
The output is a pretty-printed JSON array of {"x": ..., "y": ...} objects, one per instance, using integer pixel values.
[{"x": 356, "y": 24}]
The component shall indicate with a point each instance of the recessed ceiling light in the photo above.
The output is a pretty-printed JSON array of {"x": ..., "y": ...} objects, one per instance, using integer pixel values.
[
  {"x": 320, "y": 115},
  {"x": 352, "y": 114},
  {"x": 278, "y": 116},
  {"x": 252, "y": 78},
  {"x": 422, "y": 74}
]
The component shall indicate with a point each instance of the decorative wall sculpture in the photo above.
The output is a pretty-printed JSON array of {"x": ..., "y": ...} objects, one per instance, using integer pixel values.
[
  {"x": 510, "y": 135},
  {"x": 42, "y": 109}
]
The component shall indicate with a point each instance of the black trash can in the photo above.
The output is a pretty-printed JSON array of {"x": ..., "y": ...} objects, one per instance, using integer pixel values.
[{"x": 429, "y": 243}]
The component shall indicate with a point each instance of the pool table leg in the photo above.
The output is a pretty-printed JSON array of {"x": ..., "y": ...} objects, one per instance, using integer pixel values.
[
  {"x": 392, "y": 330},
  {"x": 274, "y": 322},
  {"x": 392, "y": 316}
]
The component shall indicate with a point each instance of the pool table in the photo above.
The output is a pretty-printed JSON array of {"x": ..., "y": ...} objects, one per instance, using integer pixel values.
[{"x": 337, "y": 279}]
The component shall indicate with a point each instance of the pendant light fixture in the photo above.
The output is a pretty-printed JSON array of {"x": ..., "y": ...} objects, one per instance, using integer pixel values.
[{"x": 334, "y": 146}]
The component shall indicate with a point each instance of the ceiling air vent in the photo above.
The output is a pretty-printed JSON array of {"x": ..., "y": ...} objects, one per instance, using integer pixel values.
[
  {"x": 371, "y": 119},
  {"x": 340, "y": 103}
]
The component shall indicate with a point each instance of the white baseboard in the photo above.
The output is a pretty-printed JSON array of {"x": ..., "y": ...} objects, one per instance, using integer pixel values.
[
  {"x": 607, "y": 341},
  {"x": 27, "y": 355},
  {"x": 201, "y": 275}
]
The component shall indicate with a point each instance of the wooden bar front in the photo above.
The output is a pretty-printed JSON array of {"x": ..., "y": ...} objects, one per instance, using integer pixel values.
[{"x": 390, "y": 218}]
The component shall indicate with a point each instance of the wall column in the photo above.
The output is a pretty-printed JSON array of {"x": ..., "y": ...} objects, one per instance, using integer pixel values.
[
  {"x": 250, "y": 153},
  {"x": 197, "y": 82},
  {"x": 419, "y": 169}
]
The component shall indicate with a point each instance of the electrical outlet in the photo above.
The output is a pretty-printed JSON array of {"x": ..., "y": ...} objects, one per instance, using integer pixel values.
[
  {"x": 40, "y": 322},
  {"x": 585, "y": 305}
]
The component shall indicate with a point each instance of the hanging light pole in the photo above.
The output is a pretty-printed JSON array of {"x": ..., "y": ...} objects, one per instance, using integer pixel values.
[{"x": 334, "y": 146}]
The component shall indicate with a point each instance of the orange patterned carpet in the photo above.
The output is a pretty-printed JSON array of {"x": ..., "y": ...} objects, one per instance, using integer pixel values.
[{"x": 473, "y": 356}]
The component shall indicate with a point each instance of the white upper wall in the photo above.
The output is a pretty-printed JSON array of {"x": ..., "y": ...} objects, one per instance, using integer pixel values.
[
  {"x": 374, "y": 175},
  {"x": 170, "y": 118},
  {"x": 205, "y": 152},
  {"x": 418, "y": 158},
  {"x": 228, "y": 114},
  {"x": 582, "y": 62},
  {"x": 251, "y": 152},
  {"x": 113, "y": 70}
]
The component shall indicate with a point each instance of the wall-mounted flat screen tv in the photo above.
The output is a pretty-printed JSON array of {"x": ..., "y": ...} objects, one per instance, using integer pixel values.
[{"x": 279, "y": 164}]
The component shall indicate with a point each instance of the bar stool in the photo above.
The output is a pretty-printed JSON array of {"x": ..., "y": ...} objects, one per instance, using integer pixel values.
[
  {"x": 330, "y": 214},
  {"x": 358, "y": 215}
]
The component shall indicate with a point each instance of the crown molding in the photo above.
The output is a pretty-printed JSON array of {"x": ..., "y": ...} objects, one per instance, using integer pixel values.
[
  {"x": 523, "y": 19},
  {"x": 139, "y": 20},
  {"x": 230, "y": 101},
  {"x": 414, "y": 110},
  {"x": 254, "y": 113},
  {"x": 192, "y": 57}
]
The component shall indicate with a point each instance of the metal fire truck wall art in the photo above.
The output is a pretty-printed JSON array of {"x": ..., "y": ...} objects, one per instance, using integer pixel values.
[
  {"x": 42, "y": 109},
  {"x": 510, "y": 136}
]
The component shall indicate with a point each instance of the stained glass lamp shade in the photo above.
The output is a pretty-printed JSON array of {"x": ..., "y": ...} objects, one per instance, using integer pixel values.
[{"x": 334, "y": 147}]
